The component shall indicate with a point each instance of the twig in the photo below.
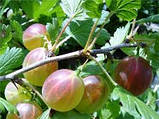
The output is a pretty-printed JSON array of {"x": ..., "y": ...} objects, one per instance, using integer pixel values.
[
  {"x": 100, "y": 51},
  {"x": 132, "y": 30},
  {"x": 47, "y": 43},
  {"x": 64, "y": 40},
  {"x": 63, "y": 57},
  {"x": 90, "y": 36},
  {"x": 84, "y": 64},
  {"x": 98, "y": 33},
  {"x": 60, "y": 34}
]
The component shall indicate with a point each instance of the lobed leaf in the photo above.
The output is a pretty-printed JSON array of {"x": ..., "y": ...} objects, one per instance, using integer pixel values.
[
  {"x": 124, "y": 9},
  {"x": 73, "y": 7},
  {"x": 6, "y": 36},
  {"x": 9, "y": 107},
  {"x": 153, "y": 18},
  {"x": 10, "y": 60},
  {"x": 133, "y": 105},
  {"x": 93, "y": 8},
  {"x": 45, "y": 115},
  {"x": 70, "y": 115},
  {"x": 80, "y": 30},
  {"x": 119, "y": 36},
  {"x": 35, "y": 8}
]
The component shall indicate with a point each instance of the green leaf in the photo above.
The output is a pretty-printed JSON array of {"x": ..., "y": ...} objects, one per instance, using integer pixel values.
[
  {"x": 151, "y": 52},
  {"x": 104, "y": 36},
  {"x": 102, "y": 18},
  {"x": 133, "y": 105},
  {"x": 53, "y": 29},
  {"x": 2, "y": 10},
  {"x": 110, "y": 110},
  {"x": 119, "y": 36},
  {"x": 17, "y": 31},
  {"x": 3, "y": 85},
  {"x": 153, "y": 18},
  {"x": 2, "y": 109},
  {"x": 73, "y": 7},
  {"x": 35, "y": 8},
  {"x": 129, "y": 51},
  {"x": 91, "y": 68},
  {"x": 10, "y": 60},
  {"x": 9, "y": 107},
  {"x": 64, "y": 115},
  {"x": 111, "y": 66},
  {"x": 149, "y": 97},
  {"x": 125, "y": 115},
  {"x": 59, "y": 14},
  {"x": 80, "y": 30},
  {"x": 6, "y": 36},
  {"x": 93, "y": 8},
  {"x": 124, "y": 9},
  {"x": 156, "y": 47},
  {"x": 149, "y": 39},
  {"x": 45, "y": 115},
  {"x": 70, "y": 115},
  {"x": 153, "y": 57}
]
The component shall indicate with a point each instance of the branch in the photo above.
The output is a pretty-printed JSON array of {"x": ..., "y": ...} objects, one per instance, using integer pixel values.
[
  {"x": 106, "y": 50},
  {"x": 90, "y": 36},
  {"x": 40, "y": 63},
  {"x": 63, "y": 57}
]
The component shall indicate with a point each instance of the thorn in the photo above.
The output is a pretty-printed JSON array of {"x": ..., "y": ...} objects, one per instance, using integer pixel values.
[
  {"x": 14, "y": 84},
  {"x": 143, "y": 45},
  {"x": 51, "y": 112},
  {"x": 127, "y": 41}
]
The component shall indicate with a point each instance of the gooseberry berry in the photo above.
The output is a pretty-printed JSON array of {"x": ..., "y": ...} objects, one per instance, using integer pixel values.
[
  {"x": 95, "y": 95},
  {"x": 134, "y": 74},
  {"x": 63, "y": 90},
  {"x": 38, "y": 75},
  {"x": 34, "y": 36},
  {"x": 17, "y": 94}
]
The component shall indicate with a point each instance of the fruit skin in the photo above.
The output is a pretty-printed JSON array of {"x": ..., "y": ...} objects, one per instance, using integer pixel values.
[
  {"x": 134, "y": 74},
  {"x": 38, "y": 75},
  {"x": 33, "y": 36},
  {"x": 28, "y": 110},
  {"x": 14, "y": 95},
  {"x": 63, "y": 90},
  {"x": 95, "y": 95}
]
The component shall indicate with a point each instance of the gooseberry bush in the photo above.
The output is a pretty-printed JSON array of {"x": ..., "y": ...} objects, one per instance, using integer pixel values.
[{"x": 79, "y": 59}]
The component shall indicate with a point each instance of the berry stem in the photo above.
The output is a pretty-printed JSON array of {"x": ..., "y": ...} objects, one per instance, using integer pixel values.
[
  {"x": 90, "y": 36},
  {"x": 130, "y": 36},
  {"x": 104, "y": 70}
]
